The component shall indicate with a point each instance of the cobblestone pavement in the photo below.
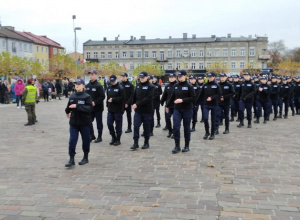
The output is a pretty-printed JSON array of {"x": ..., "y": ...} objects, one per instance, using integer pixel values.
[{"x": 256, "y": 173}]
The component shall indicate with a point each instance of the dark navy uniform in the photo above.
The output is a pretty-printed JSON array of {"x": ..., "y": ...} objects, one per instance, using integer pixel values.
[
  {"x": 263, "y": 101},
  {"x": 275, "y": 88},
  {"x": 96, "y": 91},
  {"x": 212, "y": 90},
  {"x": 115, "y": 110},
  {"x": 196, "y": 103},
  {"x": 256, "y": 82},
  {"x": 182, "y": 111},
  {"x": 129, "y": 91},
  {"x": 201, "y": 97},
  {"x": 280, "y": 101},
  {"x": 143, "y": 99},
  {"x": 297, "y": 95},
  {"x": 156, "y": 103},
  {"x": 285, "y": 95},
  {"x": 292, "y": 104},
  {"x": 235, "y": 99}
]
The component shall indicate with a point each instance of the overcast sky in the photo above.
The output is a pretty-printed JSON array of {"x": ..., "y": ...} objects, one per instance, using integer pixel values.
[{"x": 279, "y": 20}]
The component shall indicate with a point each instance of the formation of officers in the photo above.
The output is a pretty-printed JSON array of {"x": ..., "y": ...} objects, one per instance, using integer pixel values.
[{"x": 225, "y": 97}]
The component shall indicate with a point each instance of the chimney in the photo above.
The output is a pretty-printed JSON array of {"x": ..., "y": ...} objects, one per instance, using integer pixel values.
[
  {"x": 250, "y": 36},
  {"x": 9, "y": 28},
  {"x": 213, "y": 36},
  {"x": 131, "y": 37},
  {"x": 116, "y": 38},
  {"x": 170, "y": 37},
  {"x": 134, "y": 38},
  {"x": 184, "y": 35},
  {"x": 194, "y": 36},
  {"x": 228, "y": 35},
  {"x": 104, "y": 38},
  {"x": 143, "y": 38}
]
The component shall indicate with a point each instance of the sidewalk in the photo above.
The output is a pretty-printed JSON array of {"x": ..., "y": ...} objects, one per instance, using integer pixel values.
[{"x": 256, "y": 173}]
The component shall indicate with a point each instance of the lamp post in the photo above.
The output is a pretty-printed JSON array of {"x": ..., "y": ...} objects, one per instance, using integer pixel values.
[{"x": 75, "y": 29}]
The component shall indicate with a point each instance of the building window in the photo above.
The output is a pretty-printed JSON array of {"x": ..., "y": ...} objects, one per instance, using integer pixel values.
[
  {"x": 252, "y": 52},
  {"x": 170, "y": 66},
  {"x": 88, "y": 55},
  {"x": 251, "y": 64},
  {"x": 96, "y": 55},
  {"x": 131, "y": 54},
  {"x": 124, "y": 54},
  {"x": 55, "y": 50},
  {"x": 170, "y": 53},
  {"x": 186, "y": 65},
  {"x": 208, "y": 53},
  {"x": 38, "y": 60},
  {"x": 109, "y": 55},
  {"x": 117, "y": 55},
  {"x": 242, "y": 51},
  {"x": 162, "y": 55},
  {"x": 178, "y": 53},
  {"x": 42, "y": 49},
  {"x": 233, "y": 52},
  {"x": 201, "y": 53},
  {"x": 217, "y": 53},
  {"x": 242, "y": 65},
  {"x": 232, "y": 65},
  {"x": 193, "y": 53},
  {"x": 177, "y": 66},
  {"x": 146, "y": 54},
  {"x": 37, "y": 48},
  {"x": 162, "y": 66},
  {"x": 193, "y": 66},
  {"x": 3, "y": 44},
  {"x": 208, "y": 64},
  {"x": 139, "y": 54},
  {"x": 13, "y": 47},
  {"x": 46, "y": 49},
  {"x": 131, "y": 66},
  {"x": 225, "y": 52},
  {"x": 185, "y": 52},
  {"x": 201, "y": 66},
  {"x": 263, "y": 51},
  {"x": 154, "y": 54}
]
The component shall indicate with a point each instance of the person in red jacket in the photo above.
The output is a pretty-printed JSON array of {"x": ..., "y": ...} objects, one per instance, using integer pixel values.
[{"x": 19, "y": 88}]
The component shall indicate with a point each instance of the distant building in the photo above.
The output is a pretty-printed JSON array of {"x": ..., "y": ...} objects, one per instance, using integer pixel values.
[
  {"x": 195, "y": 54},
  {"x": 79, "y": 56}
]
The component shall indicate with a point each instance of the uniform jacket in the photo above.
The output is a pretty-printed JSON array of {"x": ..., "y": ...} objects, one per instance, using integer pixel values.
[
  {"x": 143, "y": 97},
  {"x": 129, "y": 92},
  {"x": 96, "y": 91},
  {"x": 157, "y": 92},
  {"x": 213, "y": 90},
  {"x": 228, "y": 91},
  {"x": 197, "y": 93},
  {"x": 285, "y": 91},
  {"x": 169, "y": 88},
  {"x": 117, "y": 93},
  {"x": 275, "y": 87},
  {"x": 248, "y": 91},
  {"x": 264, "y": 95}
]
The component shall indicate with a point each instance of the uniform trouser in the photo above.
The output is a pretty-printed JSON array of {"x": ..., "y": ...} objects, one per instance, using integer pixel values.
[
  {"x": 156, "y": 106},
  {"x": 138, "y": 119},
  {"x": 254, "y": 106},
  {"x": 46, "y": 95},
  {"x": 297, "y": 104},
  {"x": 275, "y": 107},
  {"x": 118, "y": 119},
  {"x": 280, "y": 104},
  {"x": 19, "y": 99},
  {"x": 223, "y": 110},
  {"x": 30, "y": 109},
  {"x": 128, "y": 114},
  {"x": 286, "y": 103},
  {"x": 98, "y": 116},
  {"x": 201, "y": 104},
  {"x": 292, "y": 105},
  {"x": 168, "y": 117},
  {"x": 66, "y": 93},
  {"x": 234, "y": 107},
  {"x": 85, "y": 136},
  {"x": 213, "y": 117},
  {"x": 248, "y": 106},
  {"x": 186, "y": 116},
  {"x": 262, "y": 105},
  {"x": 195, "y": 113}
]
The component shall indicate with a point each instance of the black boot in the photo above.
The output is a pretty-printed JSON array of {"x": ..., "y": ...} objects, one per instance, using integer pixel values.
[
  {"x": 92, "y": 137},
  {"x": 293, "y": 113},
  {"x": 165, "y": 128},
  {"x": 193, "y": 127},
  {"x": 118, "y": 140},
  {"x": 232, "y": 119},
  {"x": 177, "y": 148},
  {"x": 249, "y": 125},
  {"x": 275, "y": 118},
  {"x": 85, "y": 159},
  {"x": 217, "y": 131},
  {"x": 128, "y": 130},
  {"x": 280, "y": 116},
  {"x": 202, "y": 121},
  {"x": 212, "y": 136},
  {"x": 285, "y": 116},
  {"x": 226, "y": 130},
  {"x": 257, "y": 120},
  {"x": 265, "y": 120},
  {"x": 146, "y": 144},
  {"x": 241, "y": 124},
  {"x": 186, "y": 147},
  {"x": 135, "y": 145},
  {"x": 169, "y": 134},
  {"x": 113, "y": 139},
  {"x": 71, "y": 162},
  {"x": 99, "y": 138},
  {"x": 28, "y": 124},
  {"x": 206, "y": 136},
  {"x": 158, "y": 124}
]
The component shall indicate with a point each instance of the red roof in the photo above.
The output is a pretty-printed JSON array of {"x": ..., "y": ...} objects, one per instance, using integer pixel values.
[
  {"x": 50, "y": 42},
  {"x": 32, "y": 37}
]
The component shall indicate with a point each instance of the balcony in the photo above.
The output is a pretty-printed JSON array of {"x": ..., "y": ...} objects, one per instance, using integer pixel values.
[{"x": 264, "y": 57}]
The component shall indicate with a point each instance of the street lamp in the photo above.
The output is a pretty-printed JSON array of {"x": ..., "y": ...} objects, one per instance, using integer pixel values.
[{"x": 76, "y": 29}]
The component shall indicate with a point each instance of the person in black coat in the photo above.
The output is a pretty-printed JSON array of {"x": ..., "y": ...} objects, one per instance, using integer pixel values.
[
  {"x": 156, "y": 100},
  {"x": 263, "y": 100},
  {"x": 197, "y": 89},
  {"x": 58, "y": 88},
  {"x": 285, "y": 95},
  {"x": 275, "y": 88}
]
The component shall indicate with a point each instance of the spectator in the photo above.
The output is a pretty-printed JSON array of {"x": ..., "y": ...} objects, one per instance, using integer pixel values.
[{"x": 19, "y": 88}]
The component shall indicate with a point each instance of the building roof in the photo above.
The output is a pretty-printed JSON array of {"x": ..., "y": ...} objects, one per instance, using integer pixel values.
[
  {"x": 170, "y": 40},
  {"x": 50, "y": 42},
  {"x": 32, "y": 37},
  {"x": 5, "y": 32}
]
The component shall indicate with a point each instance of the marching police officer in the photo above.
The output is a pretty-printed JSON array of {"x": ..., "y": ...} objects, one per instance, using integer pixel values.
[
  {"x": 29, "y": 97},
  {"x": 183, "y": 98},
  {"x": 275, "y": 88},
  {"x": 143, "y": 106},
  {"x": 235, "y": 99},
  {"x": 263, "y": 100},
  {"x": 211, "y": 92},
  {"x": 96, "y": 91},
  {"x": 292, "y": 85},
  {"x": 169, "y": 88},
  {"x": 196, "y": 102},
  {"x": 297, "y": 94},
  {"x": 280, "y": 101},
  {"x": 156, "y": 100},
  {"x": 285, "y": 94},
  {"x": 201, "y": 98},
  {"x": 129, "y": 91},
  {"x": 115, "y": 109},
  {"x": 247, "y": 93},
  {"x": 224, "y": 104}
]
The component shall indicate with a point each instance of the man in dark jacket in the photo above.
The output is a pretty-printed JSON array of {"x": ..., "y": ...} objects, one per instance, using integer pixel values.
[
  {"x": 297, "y": 94},
  {"x": 143, "y": 106},
  {"x": 275, "y": 88},
  {"x": 96, "y": 91},
  {"x": 129, "y": 91},
  {"x": 115, "y": 109},
  {"x": 58, "y": 87},
  {"x": 156, "y": 100},
  {"x": 263, "y": 100},
  {"x": 197, "y": 89}
]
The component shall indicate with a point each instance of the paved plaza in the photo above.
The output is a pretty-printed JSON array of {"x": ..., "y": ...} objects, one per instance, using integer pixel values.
[{"x": 248, "y": 174}]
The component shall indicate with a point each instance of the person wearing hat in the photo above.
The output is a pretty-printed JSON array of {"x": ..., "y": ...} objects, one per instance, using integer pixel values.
[
  {"x": 150, "y": 78},
  {"x": 129, "y": 91},
  {"x": 29, "y": 98},
  {"x": 228, "y": 92},
  {"x": 285, "y": 95},
  {"x": 280, "y": 101},
  {"x": 80, "y": 108},
  {"x": 197, "y": 89},
  {"x": 156, "y": 100},
  {"x": 263, "y": 100},
  {"x": 235, "y": 99},
  {"x": 211, "y": 92},
  {"x": 115, "y": 108},
  {"x": 292, "y": 85},
  {"x": 297, "y": 94},
  {"x": 247, "y": 93},
  {"x": 183, "y": 98},
  {"x": 230, "y": 79},
  {"x": 200, "y": 80},
  {"x": 96, "y": 91},
  {"x": 274, "y": 97},
  {"x": 143, "y": 107},
  {"x": 169, "y": 88},
  {"x": 256, "y": 81}
]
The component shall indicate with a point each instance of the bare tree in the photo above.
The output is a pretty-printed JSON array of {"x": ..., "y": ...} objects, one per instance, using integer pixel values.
[
  {"x": 277, "y": 50},
  {"x": 296, "y": 55}
]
